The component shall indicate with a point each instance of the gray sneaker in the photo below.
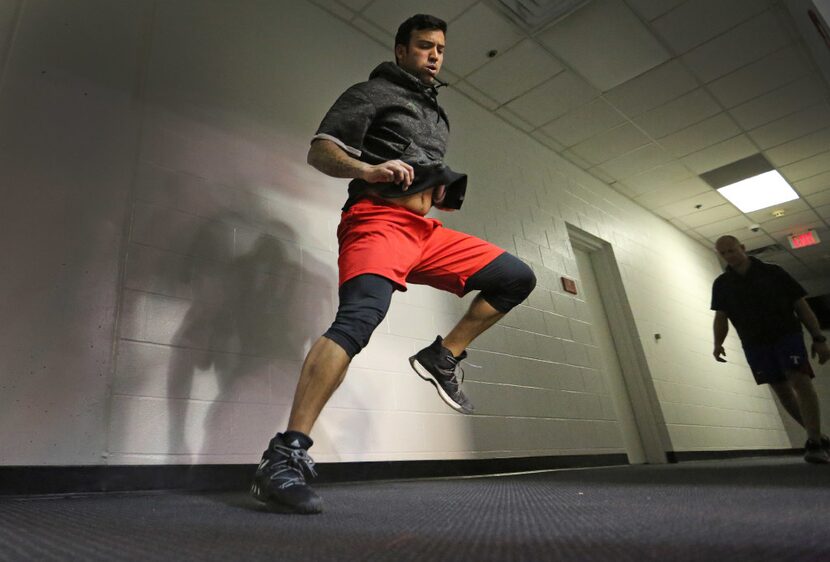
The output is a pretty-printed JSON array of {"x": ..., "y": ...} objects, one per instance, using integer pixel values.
[
  {"x": 816, "y": 452},
  {"x": 279, "y": 481},
  {"x": 437, "y": 365}
]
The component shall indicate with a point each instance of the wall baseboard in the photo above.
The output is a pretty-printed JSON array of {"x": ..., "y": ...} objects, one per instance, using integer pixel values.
[
  {"x": 684, "y": 456},
  {"x": 34, "y": 480},
  {"x": 30, "y": 480}
]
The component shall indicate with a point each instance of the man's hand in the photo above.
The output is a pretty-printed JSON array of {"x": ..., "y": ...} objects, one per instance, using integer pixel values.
[
  {"x": 718, "y": 352},
  {"x": 393, "y": 171},
  {"x": 822, "y": 350}
]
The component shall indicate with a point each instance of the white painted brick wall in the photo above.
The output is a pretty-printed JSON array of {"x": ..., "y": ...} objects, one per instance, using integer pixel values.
[{"x": 229, "y": 261}]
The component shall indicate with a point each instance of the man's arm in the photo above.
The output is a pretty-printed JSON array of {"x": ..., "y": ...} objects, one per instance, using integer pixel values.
[
  {"x": 333, "y": 161},
  {"x": 721, "y": 328},
  {"x": 808, "y": 318}
]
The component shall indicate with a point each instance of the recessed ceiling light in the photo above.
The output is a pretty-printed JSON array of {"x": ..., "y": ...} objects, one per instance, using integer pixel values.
[{"x": 759, "y": 192}]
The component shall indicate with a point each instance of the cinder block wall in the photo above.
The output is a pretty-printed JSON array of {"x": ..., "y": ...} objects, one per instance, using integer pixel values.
[{"x": 174, "y": 257}]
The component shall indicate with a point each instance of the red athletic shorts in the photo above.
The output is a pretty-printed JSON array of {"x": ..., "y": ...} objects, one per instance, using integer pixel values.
[{"x": 385, "y": 239}]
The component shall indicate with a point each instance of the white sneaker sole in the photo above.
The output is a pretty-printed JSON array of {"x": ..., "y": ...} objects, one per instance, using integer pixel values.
[{"x": 427, "y": 376}]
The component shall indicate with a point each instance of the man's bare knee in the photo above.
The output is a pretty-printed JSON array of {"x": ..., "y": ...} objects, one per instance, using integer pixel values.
[{"x": 798, "y": 379}]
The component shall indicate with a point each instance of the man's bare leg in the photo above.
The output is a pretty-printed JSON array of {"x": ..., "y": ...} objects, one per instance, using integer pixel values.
[
  {"x": 786, "y": 395},
  {"x": 279, "y": 481},
  {"x": 478, "y": 318},
  {"x": 323, "y": 371},
  {"x": 807, "y": 402}
]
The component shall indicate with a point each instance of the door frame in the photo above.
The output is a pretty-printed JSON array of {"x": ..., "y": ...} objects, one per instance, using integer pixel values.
[{"x": 648, "y": 414}]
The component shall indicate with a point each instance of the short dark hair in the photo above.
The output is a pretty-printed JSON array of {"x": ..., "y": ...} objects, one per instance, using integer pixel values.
[{"x": 417, "y": 23}]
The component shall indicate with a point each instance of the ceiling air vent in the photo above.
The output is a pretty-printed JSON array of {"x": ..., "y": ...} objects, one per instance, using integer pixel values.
[
  {"x": 535, "y": 14},
  {"x": 766, "y": 250}
]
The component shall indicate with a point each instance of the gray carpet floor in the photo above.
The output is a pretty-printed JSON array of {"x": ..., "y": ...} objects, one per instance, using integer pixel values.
[{"x": 753, "y": 509}]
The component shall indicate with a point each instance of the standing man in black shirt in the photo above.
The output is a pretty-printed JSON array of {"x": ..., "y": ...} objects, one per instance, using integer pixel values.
[{"x": 766, "y": 306}]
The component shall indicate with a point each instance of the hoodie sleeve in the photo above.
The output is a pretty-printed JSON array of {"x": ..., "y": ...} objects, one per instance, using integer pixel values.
[{"x": 347, "y": 121}]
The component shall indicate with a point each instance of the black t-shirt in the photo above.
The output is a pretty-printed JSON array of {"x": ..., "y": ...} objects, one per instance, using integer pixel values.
[{"x": 760, "y": 304}]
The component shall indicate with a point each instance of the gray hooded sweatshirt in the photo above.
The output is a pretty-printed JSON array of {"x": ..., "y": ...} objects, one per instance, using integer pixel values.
[{"x": 394, "y": 116}]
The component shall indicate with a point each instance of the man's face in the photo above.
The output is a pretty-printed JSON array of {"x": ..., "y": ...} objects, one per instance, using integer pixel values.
[
  {"x": 424, "y": 54},
  {"x": 732, "y": 252}
]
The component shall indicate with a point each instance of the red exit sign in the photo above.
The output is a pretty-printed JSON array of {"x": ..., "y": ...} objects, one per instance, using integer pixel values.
[{"x": 809, "y": 238}]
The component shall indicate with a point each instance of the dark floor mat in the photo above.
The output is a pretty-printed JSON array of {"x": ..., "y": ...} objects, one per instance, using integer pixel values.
[{"x": 760, "y": 509}]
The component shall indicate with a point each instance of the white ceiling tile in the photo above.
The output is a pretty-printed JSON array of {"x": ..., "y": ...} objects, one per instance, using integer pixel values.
[
  {"x": 620, "y": 188},
  {"x": 819, "y": 199},
  {"x": 752, "y": 240},
  {"x": 679, "y": 223},
  {"x": 742, "y": 45},
  {"x": 673, "y": 192},
  {"x": 635, "y": 162},
  {"x": 337, "y": 8},
  {"x": 657, "y": 178},
  {"x": 584, "y": 122},
  {"x": 653, "y": 200},
  {"x": 678, "y": 114},
  {"x": 480, "y": 29},
  {"x": 546, "y": 140},
  {"x": 804, "y": 92},
  {"x": 796, "y": 222},
  {"x": 355, "y": 5},
  {"x": 720, "y": 154},
  {"x": 807, "y": 168},
  {"x": 449, "y": 76},
  {"x": 515, "y": 72},
  {"x": 799, "y": 149},
  {"x": 721, "y": 227},
  {"x": 792, "y": 126},
  {"x": 605, "y": 43},
  {"x": 823, "y": 212},
  {"x": 652, "y": 89},
  {"x": 611, "y": 144},
  {"x": 814, "y": 184},
  {"x": 600, "y": 175},
  {"x": 475, "y": 94},
  {"x": 694, "y": 23},
  {"x": 554, "y": 98},
  {"x": 763, "y": 216},
  {"x": 700, "y": 135},
  {"x": 576, "y": 159},
  {"x": 650, "y": 9},
  {"x": 389, "y": 14},
  {"x": 372, "y": 30},
  {"x": 690, "y": 205},
  {"x": 773, "y": 71},
  {"x": 506, "y": 114},
  {"x": 711, "y": 215}
]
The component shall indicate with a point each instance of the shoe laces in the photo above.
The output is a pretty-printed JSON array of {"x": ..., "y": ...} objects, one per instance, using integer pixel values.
[
  {"x": 452, "y": 373},
  {"x": 459, "y": 367},
  {"x": 292, "y": 465}
]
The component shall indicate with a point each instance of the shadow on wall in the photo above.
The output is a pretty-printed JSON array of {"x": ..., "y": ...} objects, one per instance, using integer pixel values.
[{"x": 253, "y": 315}]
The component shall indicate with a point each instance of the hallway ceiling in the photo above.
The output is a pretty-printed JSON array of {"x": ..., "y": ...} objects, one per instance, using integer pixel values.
[{"x": 646, "y": 95}]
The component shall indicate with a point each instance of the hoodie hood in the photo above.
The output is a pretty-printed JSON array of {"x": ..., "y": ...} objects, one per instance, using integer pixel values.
[{"x": 397, "y": 75}]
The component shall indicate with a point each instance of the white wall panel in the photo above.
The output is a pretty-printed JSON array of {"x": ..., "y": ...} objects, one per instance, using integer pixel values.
[{"x": 191, "y": 142}]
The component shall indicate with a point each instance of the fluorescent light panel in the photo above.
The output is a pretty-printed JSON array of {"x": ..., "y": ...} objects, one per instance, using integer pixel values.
[{"x": 759, "y": 192}]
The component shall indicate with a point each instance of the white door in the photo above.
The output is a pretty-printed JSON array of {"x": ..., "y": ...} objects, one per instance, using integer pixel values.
[{"x": 613, "y": 373}]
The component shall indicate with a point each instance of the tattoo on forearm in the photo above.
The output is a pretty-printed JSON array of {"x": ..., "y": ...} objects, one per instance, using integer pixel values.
[{"x": 332, "y": 161}]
